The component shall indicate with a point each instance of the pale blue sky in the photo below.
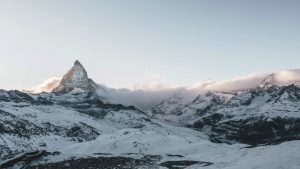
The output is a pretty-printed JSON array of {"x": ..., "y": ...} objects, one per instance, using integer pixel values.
[{"x": 118, "y": 41}]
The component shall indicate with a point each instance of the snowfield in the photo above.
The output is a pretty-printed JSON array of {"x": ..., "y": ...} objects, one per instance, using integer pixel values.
[{"x": 282, "y": 156}]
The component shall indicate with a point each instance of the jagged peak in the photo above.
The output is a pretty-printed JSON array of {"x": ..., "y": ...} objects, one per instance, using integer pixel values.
[
  {"x": 77, "y": 62},
  {"x": 76, "y": 77}
]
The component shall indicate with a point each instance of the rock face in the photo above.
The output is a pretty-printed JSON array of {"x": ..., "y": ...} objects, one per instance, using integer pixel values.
[
  {"x": 265, "y": 115},
  {"x": 76, "y": 78}
]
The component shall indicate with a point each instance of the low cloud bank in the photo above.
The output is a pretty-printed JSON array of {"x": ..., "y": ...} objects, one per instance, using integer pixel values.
[
  {"x": 46, "y": 86},
  {"x": 287, "y": 76},
  {"x": 235, "y": 84},
  {"x": 156, "y": 84}
]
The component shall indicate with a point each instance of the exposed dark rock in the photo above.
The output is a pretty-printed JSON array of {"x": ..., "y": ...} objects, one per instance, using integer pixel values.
[
  {"x": 80, "y": 131},
  {"x": 149, "y": 162},
  {"x": 183, "y": 164},
  {"x": 25, "y": 158},
  {"x": 10, "y": 124},
  {"x": 15, "y": 96},
  {"x": 258, "y": 130}
]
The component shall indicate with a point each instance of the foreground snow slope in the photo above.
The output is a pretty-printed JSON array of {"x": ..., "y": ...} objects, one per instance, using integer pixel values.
[
  {"x": 282, "y": 156},
  {"x": 157, "y": 141}
]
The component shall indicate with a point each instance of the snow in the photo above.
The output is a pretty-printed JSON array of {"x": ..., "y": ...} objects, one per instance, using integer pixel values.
[
  {"x": 235, "y": 156},
  {"x": 283, "y": 156},
  {"x": 76, "y": 77},
  {"x": 55, "y": 114},
  {"x": 76, "y": 91},
  {"x": 165, "y": 140}
]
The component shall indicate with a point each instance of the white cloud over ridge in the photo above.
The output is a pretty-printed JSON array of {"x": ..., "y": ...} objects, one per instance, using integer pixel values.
[
  {"x": 46, "y": 86},
  {"x": 237, "y": 84},
  {"x": 153, "y": 90},
  {"x": 287, "y": 76}
]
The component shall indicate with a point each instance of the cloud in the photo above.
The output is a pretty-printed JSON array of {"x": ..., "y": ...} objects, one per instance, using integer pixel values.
[
  {"x": 154, "y": 89},
  {"x": 144, "y": 99},
  {"x": 239, "y": 83},
  {"x": 287, "y": 76},
  {"x": 153, "y": 82},
  {"x": 46, "y": 86},
  {"x": 144, "y": 95}
]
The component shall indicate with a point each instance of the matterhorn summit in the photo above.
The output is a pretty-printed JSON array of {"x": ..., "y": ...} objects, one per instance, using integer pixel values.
[{"x": 76, "y": 79}]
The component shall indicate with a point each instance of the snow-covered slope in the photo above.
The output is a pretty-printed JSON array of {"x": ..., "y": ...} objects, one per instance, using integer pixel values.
[
  {"x": 256, "y": 116},
  {"x": 80, "y": 125},
  {"x": 52, "y": 121},
  {"x": 181, "y": 107},
  {"x": 226, "y": 88},
  {"x": 282, "y": 156}
]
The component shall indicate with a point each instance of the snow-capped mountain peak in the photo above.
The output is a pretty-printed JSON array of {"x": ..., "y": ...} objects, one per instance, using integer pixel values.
[{"x": 76, "y": 78}]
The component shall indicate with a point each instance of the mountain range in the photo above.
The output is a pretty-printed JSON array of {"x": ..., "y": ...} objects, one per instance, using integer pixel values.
[{"x": 83, "y": 124}]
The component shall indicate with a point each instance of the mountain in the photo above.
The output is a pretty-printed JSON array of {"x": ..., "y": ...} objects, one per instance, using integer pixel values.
[
  {"x": 183, "y": 104},
  {"x": 147, "y": 99},
  {"x": 47, "y": 130},
  {"x": 256, "y": 116},
  {"x": 266, "y": 114},
  {"x": 192, "y": 101},
  {"x": 81, "y": 124},
  {"x": 76, "y": 79}
]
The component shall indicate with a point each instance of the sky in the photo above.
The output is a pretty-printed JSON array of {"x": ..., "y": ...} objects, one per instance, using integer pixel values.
[{"x": 125, "y": 43}]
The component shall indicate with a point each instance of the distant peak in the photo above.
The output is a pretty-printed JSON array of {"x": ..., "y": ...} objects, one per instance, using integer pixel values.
[{"x": 77, "y": 63}]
